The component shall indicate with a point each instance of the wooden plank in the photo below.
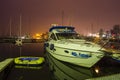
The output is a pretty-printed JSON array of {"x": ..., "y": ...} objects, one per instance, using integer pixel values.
[{"x": 5, "y": 63}]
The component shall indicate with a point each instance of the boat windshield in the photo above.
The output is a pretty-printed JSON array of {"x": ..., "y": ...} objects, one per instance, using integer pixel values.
[{"x": 67, "y": 36}]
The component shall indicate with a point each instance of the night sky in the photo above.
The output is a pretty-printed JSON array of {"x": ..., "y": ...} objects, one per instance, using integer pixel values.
[{"x": 38, "y": 15}]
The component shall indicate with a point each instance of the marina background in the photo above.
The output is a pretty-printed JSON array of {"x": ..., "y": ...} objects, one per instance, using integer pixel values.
[{"x": 52, "y": 69}]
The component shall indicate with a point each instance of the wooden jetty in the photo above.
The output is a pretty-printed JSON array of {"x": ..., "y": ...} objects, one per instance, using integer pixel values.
[
  {"x": 5, "y": 68},
  {"x": 110, "y": 77},
  {"x": 13, "y": 40},
  {"x": 5, "y": 63}
]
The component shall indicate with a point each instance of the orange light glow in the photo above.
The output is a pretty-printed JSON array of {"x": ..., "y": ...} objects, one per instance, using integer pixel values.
[{"x": 37, "y": 36}]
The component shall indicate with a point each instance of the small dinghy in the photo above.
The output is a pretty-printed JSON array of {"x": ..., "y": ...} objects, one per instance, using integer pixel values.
[{"x": 29, "y": 61}]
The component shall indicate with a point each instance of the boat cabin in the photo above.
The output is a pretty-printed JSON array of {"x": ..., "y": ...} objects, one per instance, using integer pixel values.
[{"x": 62, "y": 32}]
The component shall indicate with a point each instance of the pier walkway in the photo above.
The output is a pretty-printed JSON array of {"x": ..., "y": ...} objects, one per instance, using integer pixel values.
[
  {"x": 110, "y": 77},
  {"x": 5, "y": 63}
]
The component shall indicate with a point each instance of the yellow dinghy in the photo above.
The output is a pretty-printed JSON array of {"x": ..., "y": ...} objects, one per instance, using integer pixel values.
[{"x": 29, "y": 61}]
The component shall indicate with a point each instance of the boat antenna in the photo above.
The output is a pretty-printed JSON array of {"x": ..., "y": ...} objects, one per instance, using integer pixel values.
[
  {"x": 70, "y": 22},
  {"x": 62, "y": 17},
  {"x": 92, "y": 28}
]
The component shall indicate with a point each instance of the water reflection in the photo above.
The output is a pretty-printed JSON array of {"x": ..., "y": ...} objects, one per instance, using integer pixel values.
[
  {"x": 8, "y": 50},
  {"x": 65, "y": 71},
  {"x": 28, "y": 67}
]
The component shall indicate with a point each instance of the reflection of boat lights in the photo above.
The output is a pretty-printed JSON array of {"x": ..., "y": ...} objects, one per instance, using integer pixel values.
[
  {"x": 28, "y": 67},
  {"x": 97, "y": 70}
]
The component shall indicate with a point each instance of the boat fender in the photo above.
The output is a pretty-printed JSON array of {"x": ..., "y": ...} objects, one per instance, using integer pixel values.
[{"x": 51, "y": 46}]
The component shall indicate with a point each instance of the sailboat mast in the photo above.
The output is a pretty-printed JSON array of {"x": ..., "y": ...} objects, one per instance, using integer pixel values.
[
  {"x": 20, "y": 25},
  {"x": 62, "y": 17},
  {"x": 92, "y": 28},
  {"x": 10, "y": 26}
]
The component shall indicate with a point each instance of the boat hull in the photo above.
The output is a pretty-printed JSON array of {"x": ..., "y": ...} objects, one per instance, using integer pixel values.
[
  {"x": 85, "y": 61},
  {"x": 68, "y": 71}
]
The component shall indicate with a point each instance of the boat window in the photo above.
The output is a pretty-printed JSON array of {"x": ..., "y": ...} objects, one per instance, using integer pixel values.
[
  {"x": 53, "y": 37},
  {"x": 68, "y": 36}
]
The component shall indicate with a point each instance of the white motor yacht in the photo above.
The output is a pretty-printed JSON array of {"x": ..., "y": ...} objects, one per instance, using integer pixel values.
[{"x": 66, "y": 45}]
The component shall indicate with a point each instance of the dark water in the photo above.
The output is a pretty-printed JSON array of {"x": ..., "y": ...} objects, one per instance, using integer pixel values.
[
  {"x": 10, "y": 50},
  {"x": 52, "y": 69},
  {"x": 25, "y": 73}
]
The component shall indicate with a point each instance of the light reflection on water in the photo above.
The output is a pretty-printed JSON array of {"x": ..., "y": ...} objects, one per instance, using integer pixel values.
[
  {"x": 58, "y": 70},
  {"x": 10, "y": 50}
]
